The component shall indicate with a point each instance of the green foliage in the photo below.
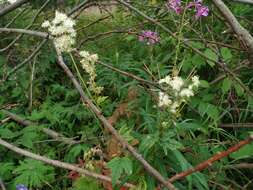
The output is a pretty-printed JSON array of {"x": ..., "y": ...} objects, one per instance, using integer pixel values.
[
  {"x": 120, "y": 167},
  {"x": 33, "y": 173},
  {"x": 170, "y": 145},
  {"x": 85, "y": 183}
]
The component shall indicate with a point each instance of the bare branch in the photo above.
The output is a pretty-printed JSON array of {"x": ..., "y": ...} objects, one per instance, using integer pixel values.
[
  {"x": 245, "y": 1},
  {"x": 24, "y": 31},
  {"x": 241, "y": 32},
  {"x": 2, "y": 184},
  {"x": 58, "y": 164},
  {"x": 236, "y": 125},
  {"x": 12, "y": 7}
]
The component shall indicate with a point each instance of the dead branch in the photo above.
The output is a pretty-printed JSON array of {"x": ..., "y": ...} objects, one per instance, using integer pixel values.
[
  {"x": 240, "y": 166},
  {"x": 12, "y": 7},
  {"x": 211, "y": 160},
  {"x": 236, "y": 125},
  {"x": 58, "y": 164},
  {"x": 2, "y": 185},
  {"x": 245, "y": 1},
  {"x": 241, "y": 32}
]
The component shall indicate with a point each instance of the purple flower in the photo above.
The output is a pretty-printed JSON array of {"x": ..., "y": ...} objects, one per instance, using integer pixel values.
[
  {"x": 200, "y": 9},
  {"x": 174, "y": 5},
  {"x": 149, "y": 37},
  {"x": 21, "y": 187}
]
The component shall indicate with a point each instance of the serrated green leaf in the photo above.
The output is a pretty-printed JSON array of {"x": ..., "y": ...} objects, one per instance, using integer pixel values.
[
  {"x": 226, "y": 85},
  {"x": 120, "y": 166},
  {"x": 226, "y": 54},
  {"x": 211, "y": 55}
]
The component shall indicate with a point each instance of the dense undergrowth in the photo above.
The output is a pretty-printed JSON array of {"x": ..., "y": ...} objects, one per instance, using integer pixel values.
[{"x": 42, "y": 93}]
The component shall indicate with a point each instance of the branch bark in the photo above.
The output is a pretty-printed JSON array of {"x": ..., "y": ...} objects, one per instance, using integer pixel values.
[
  {"x": 211, "y": 160},
  {"x": 239, "y": 30},
  {"x": 59, "y": 164},
  {"x": 236, "y": 125},
  {"x": 245, "y": 1},
  {"x": 12, "y": 7},
  {"x": 110, "y": 128}
]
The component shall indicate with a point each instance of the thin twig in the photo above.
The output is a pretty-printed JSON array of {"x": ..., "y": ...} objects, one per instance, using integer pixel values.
[
  {"x": 211, "y": 160},
  {"x": 240, "y": 166},
  {"x": 59, "y": 164},
  {"x": 110, "y": 128},
  {"x": 236, "y": 125},
  {"x": 245, "y": 1},
  {"x": 53, "y": 134},
  {"x": 26, "y": 60},
  {"x": 2, "y": 184}
]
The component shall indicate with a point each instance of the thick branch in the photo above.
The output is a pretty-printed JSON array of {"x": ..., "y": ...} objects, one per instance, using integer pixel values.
[
  {"x": 58, "y": 163},
  {"x": 12, "y": 7},
  {"x": 49, "y": 132},
  {"x": 211, "y": 160},
  {"x": 241, "y": 32},
  {"x": 24, "y": 31},
  {"x": 110, "y": 128}
]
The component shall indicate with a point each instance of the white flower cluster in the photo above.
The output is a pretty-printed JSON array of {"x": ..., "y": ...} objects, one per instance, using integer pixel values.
[
  {"x": 88, "y": 63},
  {"x": 62, "y": 30},
  {"x": 177, "y": 91}
]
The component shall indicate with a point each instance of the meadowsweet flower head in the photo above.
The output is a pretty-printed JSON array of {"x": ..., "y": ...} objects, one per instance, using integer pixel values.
[
  {"x": 62, "y": 30},
  {"x": 21, "y": 187},
  {"x": 177, "y": 91},
  {"x": 176, "y": 83},
  {"x": 149, "y": 37},
  {"x": 88, "y": 64},
  {"x": 186, "y": 92},
  {"x": 174, "y": 5},
  {"x": 164, "y": 100}
]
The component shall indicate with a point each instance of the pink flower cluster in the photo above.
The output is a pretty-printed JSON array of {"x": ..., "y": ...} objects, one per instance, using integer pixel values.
[
  {"x": 200, "y": 9},
  {"x": 149, "y": 37}
]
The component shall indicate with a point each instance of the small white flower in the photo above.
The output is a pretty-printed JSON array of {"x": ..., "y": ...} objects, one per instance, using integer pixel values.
[
  {"x": 164, "y": 100},
  {"x": 176, "y": 83},
  {"x": 186, "y": 92},
  {"x": 166, "y": 80},
  {"x": 195, "y": 81},
  {"x": 45, "y": 24},
  {"x": 62, "y": 29},
  {"x": 174, "y": 106}
]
